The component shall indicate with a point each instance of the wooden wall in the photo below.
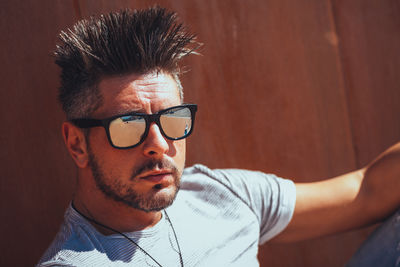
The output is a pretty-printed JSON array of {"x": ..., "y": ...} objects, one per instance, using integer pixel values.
[{"x": 303, "y": 89}]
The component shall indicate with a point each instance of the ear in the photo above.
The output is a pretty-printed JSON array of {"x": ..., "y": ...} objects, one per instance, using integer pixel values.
[{"x": 75, "y": 142}]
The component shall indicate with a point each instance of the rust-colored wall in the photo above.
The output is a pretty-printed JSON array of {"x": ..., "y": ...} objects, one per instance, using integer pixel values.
[{"x": 303, "y": 89}]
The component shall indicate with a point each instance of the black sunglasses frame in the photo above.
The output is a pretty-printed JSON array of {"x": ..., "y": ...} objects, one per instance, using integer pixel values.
[{"x": 149, "y": 118}]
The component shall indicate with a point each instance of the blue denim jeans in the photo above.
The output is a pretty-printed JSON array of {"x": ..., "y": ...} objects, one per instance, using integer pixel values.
[{"x": 382, "y": 248}]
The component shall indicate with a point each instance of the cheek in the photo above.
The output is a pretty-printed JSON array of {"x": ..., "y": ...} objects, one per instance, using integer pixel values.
[
  {"x": 180, "y": 147},
  {"x": 106, "y": 156},
  {"x": 98, "y": 141}
]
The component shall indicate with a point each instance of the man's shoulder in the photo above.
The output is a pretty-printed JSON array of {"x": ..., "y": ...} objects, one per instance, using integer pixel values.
[
  {"x": 71, "y": 244},
  {"x": 237, "y": 183},
  {"x": 215, "y": 174},
  {"x": 201, "y": 174}
]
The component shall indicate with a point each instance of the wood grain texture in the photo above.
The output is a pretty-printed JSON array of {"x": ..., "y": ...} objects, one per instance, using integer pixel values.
[
  {"x": 306, "y": 91},
  {"x": 369, "y": 42},
  {"x": 37, "y": 175}
]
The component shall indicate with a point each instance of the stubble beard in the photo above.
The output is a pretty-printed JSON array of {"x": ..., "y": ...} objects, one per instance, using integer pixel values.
[{"x": 155, "y": 199}]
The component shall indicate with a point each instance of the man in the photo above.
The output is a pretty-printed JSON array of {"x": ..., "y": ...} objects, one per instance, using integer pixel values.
[{"x": 125, "y": 130}]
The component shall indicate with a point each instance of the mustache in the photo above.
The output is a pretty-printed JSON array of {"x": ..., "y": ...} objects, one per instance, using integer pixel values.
[{"x": 153, "y": 164}]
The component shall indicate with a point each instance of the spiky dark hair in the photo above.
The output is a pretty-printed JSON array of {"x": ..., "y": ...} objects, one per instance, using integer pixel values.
[{"x": 139, "y": 41}]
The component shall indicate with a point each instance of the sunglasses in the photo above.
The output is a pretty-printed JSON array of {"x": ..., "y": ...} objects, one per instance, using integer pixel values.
[{"x": 130, "y": 130}]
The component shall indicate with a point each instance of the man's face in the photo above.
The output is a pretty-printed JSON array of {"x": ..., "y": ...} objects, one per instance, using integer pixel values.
[{"x": 145, "y": 177}]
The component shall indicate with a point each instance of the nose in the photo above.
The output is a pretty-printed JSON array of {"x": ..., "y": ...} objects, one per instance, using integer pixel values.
[{"x": 155, "y": 144}]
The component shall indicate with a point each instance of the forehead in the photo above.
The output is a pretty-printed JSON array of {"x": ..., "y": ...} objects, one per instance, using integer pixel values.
[{"x": 146, "y": 93}]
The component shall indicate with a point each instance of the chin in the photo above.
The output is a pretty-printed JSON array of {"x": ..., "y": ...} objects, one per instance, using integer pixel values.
[
  {"x": 160, "y": 198},
  {"x": 165, "y": 194}
]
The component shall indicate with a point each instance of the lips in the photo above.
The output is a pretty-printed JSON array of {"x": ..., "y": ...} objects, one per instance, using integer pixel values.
[{"x": 156, "y": 176}]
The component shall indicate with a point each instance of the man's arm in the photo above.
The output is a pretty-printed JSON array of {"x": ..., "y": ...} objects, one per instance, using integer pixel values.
[{"x": 348, "y": 201}]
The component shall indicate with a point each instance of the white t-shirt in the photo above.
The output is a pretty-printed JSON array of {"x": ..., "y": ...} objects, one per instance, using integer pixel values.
[{"x": 220, "y": 218}]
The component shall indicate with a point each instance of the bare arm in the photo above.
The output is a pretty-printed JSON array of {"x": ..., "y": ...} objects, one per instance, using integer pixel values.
[{"x": 348, "y": 201}]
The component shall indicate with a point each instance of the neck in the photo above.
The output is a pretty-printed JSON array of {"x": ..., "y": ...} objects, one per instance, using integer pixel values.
[{"x": 113, "y": 214}]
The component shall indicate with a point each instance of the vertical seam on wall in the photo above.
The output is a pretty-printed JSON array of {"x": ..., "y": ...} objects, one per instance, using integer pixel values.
[
  {"x": 343, "y": 80},
  {"x": 77, "y": 9}
]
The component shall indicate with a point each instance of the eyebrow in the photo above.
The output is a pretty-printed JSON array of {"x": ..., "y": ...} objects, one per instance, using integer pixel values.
[{"x": 122, "y": 112}]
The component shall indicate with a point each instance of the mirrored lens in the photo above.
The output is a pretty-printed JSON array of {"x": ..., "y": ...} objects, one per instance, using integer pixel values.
[
  {"x": 127, "y": 130},
  {"x": 177, "y": 122}
]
